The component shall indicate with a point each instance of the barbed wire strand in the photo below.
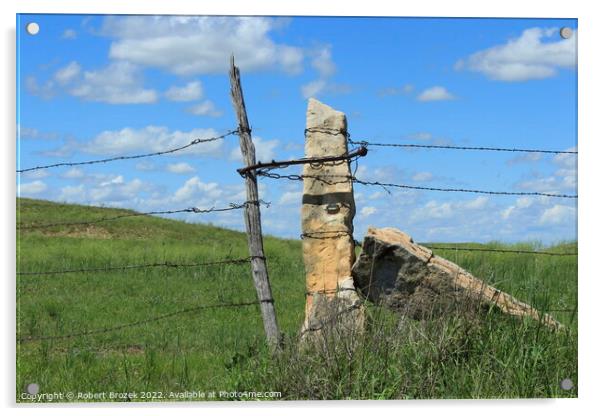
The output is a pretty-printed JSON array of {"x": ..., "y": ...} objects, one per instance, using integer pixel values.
[
  {"x": 496, "y": 250},
  {"x": 450, "y": 147},
  {"x": 233, "y": 206},
  {"x": 138, "y": 266},
  {"x": 112, "y": 159},
  {"x": 474, "y": 191},
  {"x": 315, "y": 162},
  {"x": 484, "y": 249},
  {"x": 348, "y": 178},
  {"x": 433, "y": 146},
  {"x": 135, "y": 323},
  {"x": 324, "y": 235}
]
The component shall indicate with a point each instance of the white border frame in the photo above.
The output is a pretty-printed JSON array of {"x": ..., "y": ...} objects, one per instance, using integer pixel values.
[{"x": 589, "y": 210}]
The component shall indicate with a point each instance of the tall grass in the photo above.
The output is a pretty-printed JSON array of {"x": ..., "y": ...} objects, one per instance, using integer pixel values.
[
  {"x": 459, "y": 356},
  {"x": 464, "y": 355}
]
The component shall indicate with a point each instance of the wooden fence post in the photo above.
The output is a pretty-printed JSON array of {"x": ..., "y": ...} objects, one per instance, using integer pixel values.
[{"x": 252, "y": 213}]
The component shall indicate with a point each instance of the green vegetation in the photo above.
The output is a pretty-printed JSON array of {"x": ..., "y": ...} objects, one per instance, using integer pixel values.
[{"x": 460, "y": 356}]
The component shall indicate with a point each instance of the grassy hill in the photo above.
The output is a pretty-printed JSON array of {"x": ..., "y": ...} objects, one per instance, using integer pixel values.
[{"x": 222, "y": 349}]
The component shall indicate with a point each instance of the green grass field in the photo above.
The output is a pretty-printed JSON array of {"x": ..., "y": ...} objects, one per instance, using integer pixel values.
[{"x": 223, "y": 349}]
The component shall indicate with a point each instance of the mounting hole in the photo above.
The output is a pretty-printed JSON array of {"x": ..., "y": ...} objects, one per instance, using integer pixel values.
[
  {"x": 33, "y": 388},
  {"x": 32, "y": 28},
  {"x": 566, "y": 33},
  {"x": 567, "y": 384}
]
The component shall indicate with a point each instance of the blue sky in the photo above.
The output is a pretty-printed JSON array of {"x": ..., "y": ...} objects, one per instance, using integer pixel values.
[{"x": 92, "y": 87}]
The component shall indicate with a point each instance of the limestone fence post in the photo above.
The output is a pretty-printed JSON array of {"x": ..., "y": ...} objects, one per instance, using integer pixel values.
[{"x": 327, "y": 225}]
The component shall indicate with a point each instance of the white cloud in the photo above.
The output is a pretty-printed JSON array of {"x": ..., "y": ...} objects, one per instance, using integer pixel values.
[
  {"x": 526, "y": 57},
  {"x": 31, "y": 188},
  {"x": 422, "y": 177},
  {"x": 65, "y": 150},
  {"x": 547, "y": 184},
  {"x": 195, "y": 189},
  {"x": 191, "y": 45},
  {"x": 367, "y": 211},
  {"x": 313, "y": 88},
  {"x": 479, "y": 218},
  {"x": 69, "y": 34},
  {"x": 46, "y": 90},
  {"x": 563, "y": 179},
  {"x": 446, "y": 210},
  {"x": 193, "y": 192},
  {"x": 265, "y": 150},
  {"x": 108, "y": 189},
  {"x": 72, "y": 193},
  {"x": 320, "y": 86},
  {"x": 505, "y": 214},
  {"x": 152, "y": 139},
  {"x": 526, "y": 158},
  {"x": 206, "y": 108},
  {"x": 114, "y": 180},
  {"x": 24, "y": 132},
  {"x": 435, "y": 93},
  {"x": 35, "y": 174},
  {"x": 435, "y": 209},
  {"x": 520, "y": 205},
  {"x": 386, "y": 173},
  {"x": 322, "y": 62},
  {"x": 567, "y": 160},
  {"x": 477, "y": 203},
  {"x": 567, "y": 178},
  {"x": 73, "y": 173},
  {"x": 291, "y": 197},
  {"x": 145, "y": 166},
  {"x": 180, "y": 168},
  {"x": 189, "y": 92},
  {"x": 68, "y": 73},
  {"x": 116, "y": 190},
  {"x": 558, "y": 214},
  {"x": 524, "y": 202},
  {"x": 325, "y": 67},
  {"x": 118, "y": 83}
]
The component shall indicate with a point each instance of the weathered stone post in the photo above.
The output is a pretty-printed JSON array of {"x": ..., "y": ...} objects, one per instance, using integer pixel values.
[{"x": 327, "y": 224}]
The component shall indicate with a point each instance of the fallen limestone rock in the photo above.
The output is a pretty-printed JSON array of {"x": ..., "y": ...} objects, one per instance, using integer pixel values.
[{"x": 404, "y": 276}]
